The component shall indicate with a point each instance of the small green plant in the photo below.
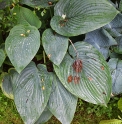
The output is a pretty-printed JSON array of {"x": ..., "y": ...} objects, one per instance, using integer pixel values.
[{"x": 44, "y": 66}]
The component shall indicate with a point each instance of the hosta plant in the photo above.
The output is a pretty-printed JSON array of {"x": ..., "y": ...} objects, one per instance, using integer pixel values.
[{"x": 53, "y": 52}]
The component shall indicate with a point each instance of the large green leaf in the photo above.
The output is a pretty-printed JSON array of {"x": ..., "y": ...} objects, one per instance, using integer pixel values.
[
  {"x": 74, "y": 17},
  {"x": 42, "y": 3},
  {"x": 94, "y": 80},
  {"x": 101, "y": 40},
  {"x": 116, "y": 72},
  {"x": 112, "y": 121},
  {"x": 45, "y": 116},
  {"x": 6, "y": 86},
  {"x": 2, "y": 57},
  {"x": 26, "y": 16},
  {"x": 54, "y": 45},
  {"x": 31, "y": 90},
  {"x": 22, "y": 45},
  {"x": 62, "y": 103}
]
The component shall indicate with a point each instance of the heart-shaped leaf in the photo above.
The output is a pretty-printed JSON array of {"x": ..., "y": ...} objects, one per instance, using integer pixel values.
[
  {"x": 2, "y": 57},
  {"x": 25, "y": 16},
  {"x": 45, "y": 116},
  {"x": 93, "y": 83},
  {"x": 22, "y": 45},
  {"x": 62, "y": 103},
  {"x": 31, "y": 90},
  {"x": 116, "y": 72},
  {"x": 54, "y": 45},
  {"x": 41, "y": 3},
  {"x": 6, "y": 86},
  {"x": 101, "y": 40},
  {"x": 73, "y": 17}
]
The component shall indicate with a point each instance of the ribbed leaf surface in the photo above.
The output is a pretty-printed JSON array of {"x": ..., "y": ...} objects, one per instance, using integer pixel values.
[
  {"x": 31, "y": 89},
  {"x": 25, "y": 16},
  {"x": 35, "y": 3},
  {"x": 22, "y": 45},
  {"x": 94, "y": 80},
  {"x": 101, "y": 40},
  {"x": 54, "y": 45},
  {"x": 73, "y": 17},
  {"x": 62, "y": 103},
  {"x": 2, "y": 57},
  {"x": 45, "y": 116},
  {"x": 116, "y": 72}
]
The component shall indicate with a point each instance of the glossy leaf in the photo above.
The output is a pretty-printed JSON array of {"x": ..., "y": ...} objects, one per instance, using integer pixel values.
[
  {"x": 2, "y": 57},
  {"x": 72, "y": 18},
  {"x": 41, "y": 3},
  {"x": 62, "y": 103},
  {"x": 31, "y": 89},
  {"x": 22, "y": 45},
  {"x": 26, "y": 16},
  {"x": 101, "y": 40},
  {"x": 94, "y": 80},
  {"x": 112, "y": 121},
  {"x": 6, "y": 86},
  {"x": 116, "y": 67},
  {"x": 54, "y": 45},
  {"x": 45, "y": 116}
]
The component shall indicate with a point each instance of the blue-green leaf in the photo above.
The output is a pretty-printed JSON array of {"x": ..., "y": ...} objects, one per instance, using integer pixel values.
[
  {"x": 45, "y": 116},
  {"x": 116, "y": 67},
  {"x": 94, "y": 84},
  {"x": 62, "y": 103},
  {"x": 31, "y": 90},
  {"x": 115, "y": 26},
  {"x": 54, "y": 45},
  {"x": 22, "y": 45},
  {"x": 74, "y": 17},
  {"x": 101, "y": 40}
]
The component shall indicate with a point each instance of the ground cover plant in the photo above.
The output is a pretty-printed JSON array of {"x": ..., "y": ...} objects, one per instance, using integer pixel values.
[{"x": 53, "y": 52}]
